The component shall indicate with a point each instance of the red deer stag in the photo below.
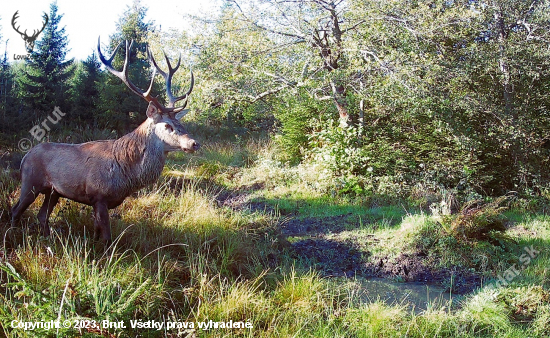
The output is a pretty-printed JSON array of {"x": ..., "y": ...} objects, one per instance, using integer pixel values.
[{"x": 103, "y": 173}]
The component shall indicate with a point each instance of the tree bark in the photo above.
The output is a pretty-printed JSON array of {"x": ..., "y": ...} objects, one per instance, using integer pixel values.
[{"x": 507, "y": 89}]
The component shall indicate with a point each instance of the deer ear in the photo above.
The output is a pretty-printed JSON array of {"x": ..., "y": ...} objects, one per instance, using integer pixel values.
[
  {"x": 153, "y": 112},
  {"x": 181, "y": 114}
]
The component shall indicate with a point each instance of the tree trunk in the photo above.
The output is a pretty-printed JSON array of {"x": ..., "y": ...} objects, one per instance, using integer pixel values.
[
  {"x": 504, "y": 67},
  {"x": 338, "y": 93}
]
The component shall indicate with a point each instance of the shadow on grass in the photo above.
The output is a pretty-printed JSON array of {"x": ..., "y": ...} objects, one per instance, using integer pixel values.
[
  {"x": 228, "y": 251},
  {"x": 180, "y": 260},
  {"x": 147, "y": 235},
  {"x": 326, "y": 214},
  {"x": 334, "y": 236}
]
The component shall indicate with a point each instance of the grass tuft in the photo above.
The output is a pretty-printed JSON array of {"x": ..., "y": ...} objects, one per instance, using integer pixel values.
[{"x": 182, "y": 253}]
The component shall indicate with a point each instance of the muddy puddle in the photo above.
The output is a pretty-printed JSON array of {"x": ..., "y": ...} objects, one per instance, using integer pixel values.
[
  {"x": 406, "y": 279},
  {"x": 417, "y": 297}
]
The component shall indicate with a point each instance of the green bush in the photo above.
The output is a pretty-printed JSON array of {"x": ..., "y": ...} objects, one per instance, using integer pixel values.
[
  {"x": 340, "y": 148},
  {"x": 473, "y": 238},
  {"x": 295, "y": 119},
  {"x": 478, "y": 221}
]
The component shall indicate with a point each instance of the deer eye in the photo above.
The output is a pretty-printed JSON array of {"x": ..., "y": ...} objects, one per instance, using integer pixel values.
[{"x": 169, "y": 127}]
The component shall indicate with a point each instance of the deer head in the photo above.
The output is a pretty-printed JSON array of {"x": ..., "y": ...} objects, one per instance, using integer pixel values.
[
  {"x": 167, "y": 126},
  {"x": 29, "y": 40}
]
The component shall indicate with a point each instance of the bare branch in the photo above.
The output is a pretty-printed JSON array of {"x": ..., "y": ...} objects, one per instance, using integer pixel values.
[
  {"x": 252, "y": 99},
  {"x": 360, "y": 22},
  {"x": 265, "y": 28},
  {"x": 403, "y": 21},
  {"x": 322, "y": 98},
  {"x": 275, "y": 76}
]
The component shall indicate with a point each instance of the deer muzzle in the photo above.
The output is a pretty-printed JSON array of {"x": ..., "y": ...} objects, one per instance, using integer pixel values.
[{"x": 189, "y": 145}]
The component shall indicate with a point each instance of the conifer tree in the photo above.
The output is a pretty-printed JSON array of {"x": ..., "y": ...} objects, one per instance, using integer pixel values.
[
  {"x": 85, "y": 93},
  {"x": 7, "y": 102},
  {"x": 45, "y": 84},
  {"x": 122, "y": 110}
]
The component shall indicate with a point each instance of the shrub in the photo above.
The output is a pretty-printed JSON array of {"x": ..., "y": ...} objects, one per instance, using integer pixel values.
[
  {"x": 295, "y": 124},
  {"x": 473, "y": 238},
  {"x": 478, "y": 221}
]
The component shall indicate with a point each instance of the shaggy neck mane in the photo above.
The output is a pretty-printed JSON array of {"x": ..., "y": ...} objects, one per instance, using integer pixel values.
[{"x": 140, "y": 155}]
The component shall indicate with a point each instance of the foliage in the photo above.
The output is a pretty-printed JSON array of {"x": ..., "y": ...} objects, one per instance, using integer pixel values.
[
  {"x": 339, "y": 147},
  {"x": 7, "y": 100},
  {"x": 120, "y": 109},
  {"x": 476, "y": 235},
  {"x": 45, "y": 82},
  {"x": 295, "y": 125},
  {"x": 476, "y": 220},
  {"x": 85, "y": 92},
  {"x": 435, "y": 84},
  {"x": 192, "y": 259},
  {"x": 524, "y": 302},
  {"x": 441, "y": 95}
]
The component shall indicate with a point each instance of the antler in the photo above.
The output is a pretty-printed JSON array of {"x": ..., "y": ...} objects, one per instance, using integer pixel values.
[
  {"x": 123, "y": 75},
  {"x": 168, "y": 79},
  {"x": 15, "y": 17}
]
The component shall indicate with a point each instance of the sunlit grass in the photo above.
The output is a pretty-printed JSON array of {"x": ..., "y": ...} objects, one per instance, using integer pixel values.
[{"x": 180, "y": 255}]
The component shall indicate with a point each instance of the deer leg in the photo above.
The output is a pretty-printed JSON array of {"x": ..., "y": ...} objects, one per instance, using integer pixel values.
[
  {"x": 101, "y": 222},
  {"x": 28, "y": 195},
  {"x": 50, "y": 200}
]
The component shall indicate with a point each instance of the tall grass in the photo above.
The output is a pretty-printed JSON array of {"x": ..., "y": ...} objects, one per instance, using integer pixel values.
[{"x": 180, "y": 256}]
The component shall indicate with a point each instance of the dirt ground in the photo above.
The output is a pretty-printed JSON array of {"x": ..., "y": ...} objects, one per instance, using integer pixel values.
[{"x": 347, "y": 258}]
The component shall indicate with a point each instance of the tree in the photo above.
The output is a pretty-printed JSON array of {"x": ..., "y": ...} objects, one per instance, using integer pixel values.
[
  {"x": 122, "y": 110},
  {"x": 45, "y": 84},
  {"x": 282, "y": 58},
  {"x": 476, "y": 71},
  {"x": 436, "y": 93},
  {"x": 7, "y": 103},
  {"x": 232, "y": 70},
  {"x": 85, "y": 91},
  {"x": 513, "y": 49},
  {"x": 309, "y": 36},
  {"x": 9, "y": 114}
]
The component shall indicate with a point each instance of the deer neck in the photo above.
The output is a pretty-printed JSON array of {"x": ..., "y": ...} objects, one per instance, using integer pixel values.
[{"x": 140, "y": 155}]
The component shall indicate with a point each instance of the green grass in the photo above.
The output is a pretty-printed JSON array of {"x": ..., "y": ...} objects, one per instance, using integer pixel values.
[{"x": 180, "y": 256}]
